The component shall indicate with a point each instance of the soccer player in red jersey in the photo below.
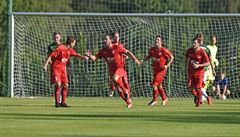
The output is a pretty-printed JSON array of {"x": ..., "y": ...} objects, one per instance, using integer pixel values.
[
  {"x": 62, "y": 55},
  {"x": 159, "y": 55},
  {"x": 116, "y": 41},
  {"x": 112, "y": 55},
  {"x": 196, "y": 59}
]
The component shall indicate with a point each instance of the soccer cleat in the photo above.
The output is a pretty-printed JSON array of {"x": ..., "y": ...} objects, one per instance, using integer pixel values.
[
  {"x": 57, "y": 105},
  {"x": 111, "y": 93},
  {"x": 64, "y": 105},
  {"x": 209, "y": 101},
  {"x": 125, "y": 96},
  {"x": 164, "y": 102},
  {"x": 129, "y": 105},
  {"x": 152, "y": 103},
  {"x": 197, "y": 105}
]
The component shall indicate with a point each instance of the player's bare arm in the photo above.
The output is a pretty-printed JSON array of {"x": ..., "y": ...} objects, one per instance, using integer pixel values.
[
  {"x": 82, "y": 57},
  {"x": 133, "y": 57},
  {"x": 145, "y": 59},
  {"x": 170, "y": 62},
  {"x": 201, "y": 65},
  {"x": 46, "y": 64},
  {"x": 89, "y": 54}
]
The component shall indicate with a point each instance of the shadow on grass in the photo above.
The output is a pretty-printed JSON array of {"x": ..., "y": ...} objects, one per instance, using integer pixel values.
[{"x": 211, "y": 118}]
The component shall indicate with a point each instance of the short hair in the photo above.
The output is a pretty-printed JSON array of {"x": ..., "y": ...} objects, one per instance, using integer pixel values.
[
  {"x": 115, "y": 32},
  {"x": 70, "y": 39},
  {"x": 196, "y": 38},
  {"x": 212, "y": 36},
  {"x": 109, "y": 36},
  {"x": 223, "y": 72},
  {"x": 56, "y": 32},
  {"x": 200, "y": 36},
  {"x": 161, "y": 37}
]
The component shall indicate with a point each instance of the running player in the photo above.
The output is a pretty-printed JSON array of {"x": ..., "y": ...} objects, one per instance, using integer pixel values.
[{"x": 112, "y": 55}]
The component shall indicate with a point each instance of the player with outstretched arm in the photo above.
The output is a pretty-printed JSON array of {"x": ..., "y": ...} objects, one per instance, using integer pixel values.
[
  {"x": 62, "y": 55},
  {"x": 117, "y": 42},
  {"x": 112, "y": 55}
]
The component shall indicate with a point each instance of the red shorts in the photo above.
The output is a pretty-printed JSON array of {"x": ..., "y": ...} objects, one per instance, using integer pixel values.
[
  {"x": 196, "y": 82},
  {"x": 59, "y": 76},
  {"x": 159, "y": 77},
  {"x": 120, "y": 72}
]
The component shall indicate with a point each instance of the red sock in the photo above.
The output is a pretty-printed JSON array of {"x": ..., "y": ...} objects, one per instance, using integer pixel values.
[
  {"x": 129, "y": 101},
  {"x": 121, "y": 85},
  {"x": 57, "y": 93},
  {"x": 199, "y": 95},
  {"x": 155, "y": 94},
  {"x": 162, "y": 93},
  {"x": 121, "y": 94},
  {"x": 64, "y": 94},
  {"x": 126, "y": 85}
]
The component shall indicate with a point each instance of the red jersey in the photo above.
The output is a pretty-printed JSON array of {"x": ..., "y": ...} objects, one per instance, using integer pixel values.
[
  {"x": 62, "y": 55},
  {"x": 198, "y": 57},
  {"x": 159, "y": 57},
  {"x": 121, "y": 46},
  {"x": 112, "y": 56}
]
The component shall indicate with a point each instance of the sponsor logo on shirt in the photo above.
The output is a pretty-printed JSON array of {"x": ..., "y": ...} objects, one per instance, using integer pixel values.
[
  {"x": 109, "y": 59},
  {"x": 64, "y": 60}
]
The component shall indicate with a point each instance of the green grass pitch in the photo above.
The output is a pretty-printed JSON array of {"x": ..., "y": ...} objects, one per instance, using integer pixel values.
[{"x": 108, "y": 117}]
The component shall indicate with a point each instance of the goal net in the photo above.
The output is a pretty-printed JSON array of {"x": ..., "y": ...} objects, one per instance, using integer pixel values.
[{"x": 32, "y": 34}]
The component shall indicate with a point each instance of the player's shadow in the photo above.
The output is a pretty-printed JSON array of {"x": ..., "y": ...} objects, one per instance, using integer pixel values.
[{"x": 186, "y": 117}]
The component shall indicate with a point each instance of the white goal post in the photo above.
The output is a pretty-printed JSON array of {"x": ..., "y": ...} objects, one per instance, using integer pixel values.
[{"x": 32, "y": 33}]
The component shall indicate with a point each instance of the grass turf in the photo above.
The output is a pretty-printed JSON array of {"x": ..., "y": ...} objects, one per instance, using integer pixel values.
[{"x": 100, "y": 117}]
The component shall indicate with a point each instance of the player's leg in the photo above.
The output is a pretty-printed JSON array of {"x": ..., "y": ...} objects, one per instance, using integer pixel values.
[
  {"x": 154, "y": 84},
  {"x": 199, "y": 97},
  {"x": 198, "y": 84},
  {"x": 57, "y": 81},
  {"x": 112, "y": 84},
  {"x": 205, "y": 80},
  {"x": 64, "y": 89},
  {"x": 159, "y": 79},
  {"x": 155, "y": 95},
  {"x": 192, "y": 89},
  {"x": 163, "y": 95},
  {"x": 112, "y": 88},
  {"x": 125, "y": 82},
  {"x": 117, "y": 78}
]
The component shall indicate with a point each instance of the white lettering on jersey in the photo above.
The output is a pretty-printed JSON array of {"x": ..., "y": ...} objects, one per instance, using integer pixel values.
[
  {"x": 64, "y": 60},
  {"x": 156, "y": 59},
  {"x": 110, "y": 59}
]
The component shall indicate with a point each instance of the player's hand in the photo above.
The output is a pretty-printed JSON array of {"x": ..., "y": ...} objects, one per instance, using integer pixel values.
[
  {"x": 88, "y": 53},
  {"x": 195, "y": 65},
  {"x": 45, "y": 68},
  {"x": 138, "y": 62},
  {"x": 141, "y": 62},
  {"x": 86, "y": 57}
]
